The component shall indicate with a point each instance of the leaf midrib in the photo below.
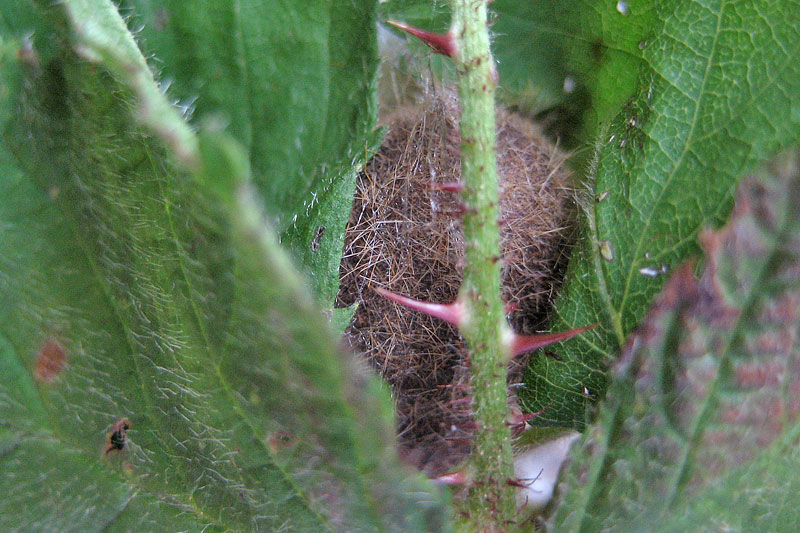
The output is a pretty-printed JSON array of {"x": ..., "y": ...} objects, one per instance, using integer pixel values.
[
  {"x": 614, "y": 313},
  {"x": 678, "y": 165},
  {"x": 233, "y": 398}
]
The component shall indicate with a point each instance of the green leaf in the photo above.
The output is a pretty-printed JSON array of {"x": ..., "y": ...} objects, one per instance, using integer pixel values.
[
  {"x": 701, "y": 421},
  {"x": 757, "y": 497},
  {"x": 580, "y": 58},
  {"x": 138, "y": 281},
  {"x": 296, "y": 84},
  {"x": 717, "y": 95}
]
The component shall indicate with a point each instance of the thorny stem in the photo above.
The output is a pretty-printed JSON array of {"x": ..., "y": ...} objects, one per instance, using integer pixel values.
[{"x": 490, "y": 502}]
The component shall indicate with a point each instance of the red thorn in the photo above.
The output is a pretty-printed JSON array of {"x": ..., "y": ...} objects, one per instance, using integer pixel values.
[
  {"x": 440, "y": 43},
  {"x": 520, "y": 483},
  {"x": 524, "y": 343},
  {"x": 450, "y": 313},
  {"x": 519, "y": 421},
  {"x": 522, "y": 418},
  {"x": 450, "y": 186},
  {"x": 456, "y": 478}
]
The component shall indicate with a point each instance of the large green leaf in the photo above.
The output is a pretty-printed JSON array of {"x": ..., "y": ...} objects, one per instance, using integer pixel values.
[
  {"x": 138, "y": 281},
  {"x": 718, "y": 93},
  {"x": 295, "y": 81},
  {"x": 701, "y": 421}
]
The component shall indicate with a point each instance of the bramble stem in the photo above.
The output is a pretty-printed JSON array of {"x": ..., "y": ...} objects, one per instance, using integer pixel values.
[{"x": 490, "y": 502}]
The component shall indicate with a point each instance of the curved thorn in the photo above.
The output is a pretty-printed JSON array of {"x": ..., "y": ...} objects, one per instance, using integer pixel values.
[
  {"x": 450, "y": 186},
  {"x": 522, "y": 418},
  {"x": 524, "y": 343},
  {"x": 512, "y": 306},
  {"x": 441, "y": 43},
  {"x": 456, "y": 478},
  {"x": 450, "y": 313},
  {"x": 520, "y": 483},
  {"x": 519, "y": 420}
]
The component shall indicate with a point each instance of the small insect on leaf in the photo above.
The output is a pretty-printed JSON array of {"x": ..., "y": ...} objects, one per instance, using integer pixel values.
[
  {"x": 317, "y": 238},
  {"x": 51, "y": 361},
  {"x": 118, "y": 438},
  {"x": 606, "y": 250}
]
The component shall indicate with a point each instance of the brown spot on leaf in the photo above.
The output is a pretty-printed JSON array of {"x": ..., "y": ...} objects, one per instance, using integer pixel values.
[
  {"x": 160, "y": 19},
  {"x": 51, "y": 361},
  {"x": 279, "y": 440}
]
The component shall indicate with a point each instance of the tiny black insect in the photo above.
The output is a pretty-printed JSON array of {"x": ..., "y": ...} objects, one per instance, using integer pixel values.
[{"x": 118, "y": 437}]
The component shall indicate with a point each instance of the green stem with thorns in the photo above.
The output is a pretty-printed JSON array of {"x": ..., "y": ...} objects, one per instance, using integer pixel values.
[{"x": 490, "y": 502}]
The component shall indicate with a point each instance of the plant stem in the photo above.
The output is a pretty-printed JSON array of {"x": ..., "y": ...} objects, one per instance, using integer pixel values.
[{"x": 490, "y": 502}]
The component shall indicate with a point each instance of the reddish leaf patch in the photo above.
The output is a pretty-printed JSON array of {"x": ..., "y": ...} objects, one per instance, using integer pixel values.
[{"x": 51, "y": 361}]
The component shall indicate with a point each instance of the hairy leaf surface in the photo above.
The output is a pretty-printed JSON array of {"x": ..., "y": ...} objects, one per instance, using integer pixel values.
[
  {"x": 138, "y": 281},
  {"x": 295, "y": 84}
]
